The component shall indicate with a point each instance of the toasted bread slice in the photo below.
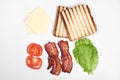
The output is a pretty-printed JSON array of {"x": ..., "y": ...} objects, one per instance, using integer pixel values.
[
  {"x": 59, "y": 28},
  {"x": 78, "y": 22}
]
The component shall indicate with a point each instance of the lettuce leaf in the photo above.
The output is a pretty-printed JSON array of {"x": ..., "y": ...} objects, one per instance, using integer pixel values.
[{"x": 86, "y": 55}]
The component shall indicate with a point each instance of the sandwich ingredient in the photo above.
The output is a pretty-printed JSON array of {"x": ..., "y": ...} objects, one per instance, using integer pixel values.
[
  {"x": 34, "y": 49},
  {"x": 33, "y": 62},
  {"x": 37, "y": 21},
  {"x": 54, "y": 61},
  {"x": 79, "y": 22},
  {"x": 86, "y": 55},
  {"x": 55, "y": 64},
  {"x": 53, "y": 58},
  {"x": 59, "y": 28},
  {"x": 66, "y": 58},
  {"x": 74, "y": 22}
]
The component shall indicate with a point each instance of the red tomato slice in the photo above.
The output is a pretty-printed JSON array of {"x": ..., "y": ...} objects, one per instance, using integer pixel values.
[
  {"x": 34, "y": 49},
  {"x": 33, "y": 62}
]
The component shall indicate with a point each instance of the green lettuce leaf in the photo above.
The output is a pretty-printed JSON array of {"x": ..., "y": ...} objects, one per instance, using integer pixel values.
[{"x": 86, "y": 55}]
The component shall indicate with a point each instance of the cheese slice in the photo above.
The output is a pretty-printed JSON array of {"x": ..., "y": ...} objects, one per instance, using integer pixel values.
[{"x": 37, "y": 21}]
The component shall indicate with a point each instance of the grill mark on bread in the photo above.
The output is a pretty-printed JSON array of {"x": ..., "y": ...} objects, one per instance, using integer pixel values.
[
  {"x": 67, "y": 24},
  {"x": 77, "y": 22},
  {"x": 59, "y": 27},
  {"x": 90, "y": 18},
  {"x": 83, "y": 18},
  {"x": 82, "y": 21},
  {"x": 81, "y": 25},
  {"x": 74, "y": 26},
  {"x": 55, "y": 26},
  {"x": 87, "y": 21},
  {"x": 62, "y": 30},
  {"x": 59, "y": 21},
  {"x": 71, "y": 24}
]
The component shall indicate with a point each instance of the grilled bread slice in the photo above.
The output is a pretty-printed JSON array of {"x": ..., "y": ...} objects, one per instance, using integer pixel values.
[
  {"x": 79, "y": 22},
  {"x": 59, "y": 28}
]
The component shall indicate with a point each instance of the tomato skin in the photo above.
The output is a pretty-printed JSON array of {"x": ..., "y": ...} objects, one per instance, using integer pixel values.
[
  {"x": 33, "y": 62},
  {"x": 34, "y": 49}
]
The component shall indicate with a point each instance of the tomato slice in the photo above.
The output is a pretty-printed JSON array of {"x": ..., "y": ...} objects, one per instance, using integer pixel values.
[
  {"x": 34, "y": 49},
  {"x": 33, "y": 62}
]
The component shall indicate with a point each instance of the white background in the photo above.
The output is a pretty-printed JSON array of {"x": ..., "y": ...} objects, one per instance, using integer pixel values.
[{"x": 14, "y": 40}]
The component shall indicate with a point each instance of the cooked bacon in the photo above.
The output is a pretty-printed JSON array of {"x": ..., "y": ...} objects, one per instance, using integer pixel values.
[
  {"x": 67, "y": 63},
  {"x": 55, "y": 64},
  {"x": 53, "y": 59},
  {"x": 51, "y": 49}
]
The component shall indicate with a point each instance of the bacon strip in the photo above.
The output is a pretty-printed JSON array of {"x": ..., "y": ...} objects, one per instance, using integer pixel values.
[
  {"x": 67, "y": 63},
  {"x": 53, "y": 59}
]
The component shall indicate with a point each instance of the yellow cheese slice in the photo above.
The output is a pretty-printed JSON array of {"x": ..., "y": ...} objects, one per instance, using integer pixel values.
[{"x": 37, "y": 21}]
